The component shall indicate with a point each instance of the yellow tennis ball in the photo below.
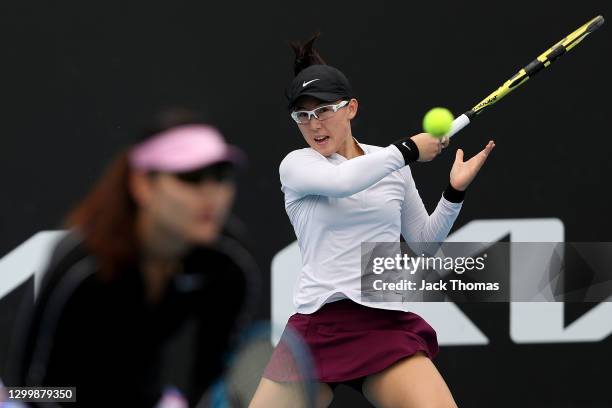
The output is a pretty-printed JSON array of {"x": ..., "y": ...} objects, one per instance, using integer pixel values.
[{"x": 438, "y": 121}]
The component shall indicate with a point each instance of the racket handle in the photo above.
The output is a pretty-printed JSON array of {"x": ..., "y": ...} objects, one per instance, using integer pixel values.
[{"x": 459, "y": 123}]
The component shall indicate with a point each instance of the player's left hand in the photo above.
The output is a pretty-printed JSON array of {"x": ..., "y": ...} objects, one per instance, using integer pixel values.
[{"x": 462, "y": 173}]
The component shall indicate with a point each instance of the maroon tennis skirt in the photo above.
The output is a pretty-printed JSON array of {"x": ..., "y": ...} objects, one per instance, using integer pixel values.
[{"x": 348, "y": 341}]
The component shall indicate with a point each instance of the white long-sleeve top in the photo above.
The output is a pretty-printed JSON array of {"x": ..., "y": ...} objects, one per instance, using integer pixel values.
[{"x": 335, "y": 204}]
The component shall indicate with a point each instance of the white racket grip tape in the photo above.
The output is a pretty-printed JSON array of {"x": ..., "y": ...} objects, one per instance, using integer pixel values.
[{"x": 459, "y": 123}]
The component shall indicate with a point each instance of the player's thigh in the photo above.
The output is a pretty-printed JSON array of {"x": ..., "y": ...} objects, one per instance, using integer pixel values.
[
  {"x": 413, "y": 382},
  {"x": 275, "y": 394}
]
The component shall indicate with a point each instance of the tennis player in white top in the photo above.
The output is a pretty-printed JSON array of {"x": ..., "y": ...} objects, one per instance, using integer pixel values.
[{"x": 338, "y": 193}]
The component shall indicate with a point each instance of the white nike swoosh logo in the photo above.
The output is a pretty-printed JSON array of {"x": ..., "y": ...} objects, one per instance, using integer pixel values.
[
  {"x": 406, "y": 146},
  {"x": 309, "y": 82}
]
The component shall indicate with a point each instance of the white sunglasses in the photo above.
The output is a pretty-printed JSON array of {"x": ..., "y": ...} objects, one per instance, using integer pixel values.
[{"x": 320, "y": 113}]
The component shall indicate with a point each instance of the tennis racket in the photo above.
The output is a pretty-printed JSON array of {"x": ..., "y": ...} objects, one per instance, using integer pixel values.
[
  {"x": 535, "y": 66},
  {"x": 4, "y": 399},
  {"x": 247, "y": 363}
]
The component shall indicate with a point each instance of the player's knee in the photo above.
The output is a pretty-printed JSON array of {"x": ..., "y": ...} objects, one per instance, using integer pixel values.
[
  {"x": 325, "y": 396},
  {"x": 443, "y": 404}
]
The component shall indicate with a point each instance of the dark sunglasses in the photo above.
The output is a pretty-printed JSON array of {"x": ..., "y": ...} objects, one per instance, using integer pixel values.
[{"x": 219, "y": 172}]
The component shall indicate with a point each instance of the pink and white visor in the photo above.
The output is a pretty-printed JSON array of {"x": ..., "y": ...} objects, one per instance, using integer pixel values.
[{"x": 184, "y": 148}]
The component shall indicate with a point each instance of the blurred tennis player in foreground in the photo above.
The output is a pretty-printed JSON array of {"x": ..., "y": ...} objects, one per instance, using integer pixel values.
[
  {"x": 338, "y": 193},
  {"x": 145, "y": 261}
]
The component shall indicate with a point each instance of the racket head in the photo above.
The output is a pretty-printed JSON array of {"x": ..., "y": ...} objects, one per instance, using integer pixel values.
[
  {"x": 290, "y": 362},
  {"x": 579, "y": 34},
  {"x": 541, "y": 62}
]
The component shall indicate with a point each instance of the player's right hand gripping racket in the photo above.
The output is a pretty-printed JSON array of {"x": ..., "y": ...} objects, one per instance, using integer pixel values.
[{"x": 535, "y": 66}]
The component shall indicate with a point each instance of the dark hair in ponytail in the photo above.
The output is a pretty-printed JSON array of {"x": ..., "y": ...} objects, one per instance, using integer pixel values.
[{"x": 305, "y": 54}]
